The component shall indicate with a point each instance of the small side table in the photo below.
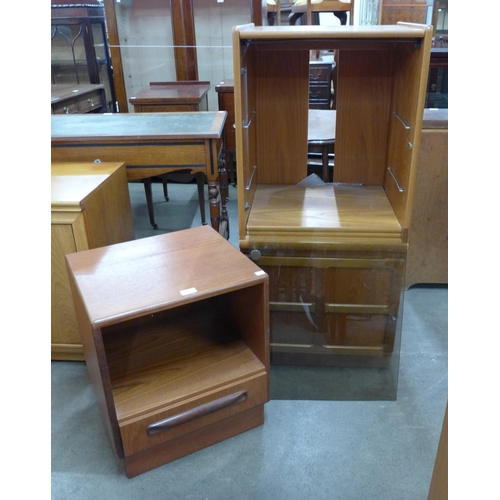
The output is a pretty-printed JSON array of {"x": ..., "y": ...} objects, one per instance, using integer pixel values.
[
  {"x": 189, "y": 95},
  {"x": 321, "y": 133},
  {"x": 183, "y": 96},
  {"x": 175, "y": 332}
]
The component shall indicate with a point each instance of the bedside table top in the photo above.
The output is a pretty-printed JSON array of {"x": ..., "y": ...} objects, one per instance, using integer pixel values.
[{"x": 156, "y": 273}]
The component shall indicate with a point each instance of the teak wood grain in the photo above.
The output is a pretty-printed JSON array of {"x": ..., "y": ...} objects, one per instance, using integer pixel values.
[
  {"x": 172, "y": 325},
  {"x": 90, "y": 207},
  {"x": 353, "y": 232}
]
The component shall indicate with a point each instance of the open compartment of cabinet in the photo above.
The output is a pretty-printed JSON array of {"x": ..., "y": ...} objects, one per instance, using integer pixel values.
[
  {"x": 175, "y": 331},
  {"x": 335, "y": 252}
]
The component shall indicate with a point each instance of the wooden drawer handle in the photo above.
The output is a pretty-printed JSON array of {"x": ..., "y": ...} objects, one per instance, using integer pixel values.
[{"x": 193, "y": 413}]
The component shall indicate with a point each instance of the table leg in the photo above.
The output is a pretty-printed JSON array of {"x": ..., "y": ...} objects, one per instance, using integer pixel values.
[
  {"x": 223, "y": 186},
  {"x": 149, "y": 200}
]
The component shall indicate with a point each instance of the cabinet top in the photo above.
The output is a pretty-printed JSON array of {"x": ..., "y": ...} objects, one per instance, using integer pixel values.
[
  {"x": 401, "y": 30},
  {"x": 148, "y": 275},
  {"x": 187, "y": 92},
  {"x": 71, "y": 183}
]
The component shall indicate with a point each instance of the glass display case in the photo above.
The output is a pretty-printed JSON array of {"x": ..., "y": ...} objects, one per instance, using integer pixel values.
[{"x": 79, "y": 47}]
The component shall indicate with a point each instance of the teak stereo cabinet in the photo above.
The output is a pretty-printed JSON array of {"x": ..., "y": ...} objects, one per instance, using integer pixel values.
[
  {"x": 335, "y": 253},
  {"x": 175, "y": 332}
]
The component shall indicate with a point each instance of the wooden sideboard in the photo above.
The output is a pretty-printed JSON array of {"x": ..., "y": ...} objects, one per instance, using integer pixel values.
[
  {"x": 71, "y": 98},
  {"x": 427, "y": 261},
  {"x": 177, "y": 348},
  {"x": 90, "y": 208}
]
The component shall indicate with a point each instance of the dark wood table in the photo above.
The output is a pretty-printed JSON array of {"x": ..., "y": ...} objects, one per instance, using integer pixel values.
[
  {"x": 150, "y": 144},
  {"x": 172, "y": 97},
  {"x": 321, "y": 132}
]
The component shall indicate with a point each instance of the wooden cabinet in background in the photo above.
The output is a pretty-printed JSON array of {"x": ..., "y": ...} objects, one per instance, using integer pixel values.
[
  {"x": 320, "y": 82},
  {"x": 335, "y": 252},
  {"x": 410, "y": 11},
  {"x": 90, "y": 208},
  {"x": 427, "y": 261},
  {"x": 174, "y": 97},
  {"x": 175, "y": 331},
  {"x": 68, "y": 99}
]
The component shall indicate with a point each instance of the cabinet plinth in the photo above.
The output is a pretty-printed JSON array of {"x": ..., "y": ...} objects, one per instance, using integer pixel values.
[
  {"x": 176, "y": 340},
  {"x": 335, "y": 252}
]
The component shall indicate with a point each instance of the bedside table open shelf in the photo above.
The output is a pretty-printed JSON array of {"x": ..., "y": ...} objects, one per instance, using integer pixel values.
[{"x": 175, "y": 331}]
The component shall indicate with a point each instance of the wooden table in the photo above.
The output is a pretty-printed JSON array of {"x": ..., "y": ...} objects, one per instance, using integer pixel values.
[
  {"x": 72, "y": 98},
  {"x": 172, "y": 97},
  {"x": 321, "y": 132},
  {"x": 150, "y": 144}
]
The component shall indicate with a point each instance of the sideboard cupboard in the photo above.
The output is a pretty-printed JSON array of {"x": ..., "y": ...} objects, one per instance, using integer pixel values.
[
  {"x": 335, "y": 252},
  {"x": 90, "y": 207}
]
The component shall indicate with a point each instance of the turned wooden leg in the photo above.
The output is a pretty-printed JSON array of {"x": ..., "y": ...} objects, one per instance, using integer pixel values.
[
  {"x": 324, "y": 154},
  {"x": 149, "y": 201},
  {"x": 223, "y": 187},
  {"x": 213, "y": 194},
  {"x": 165, "y": 186},
  {"x": 200, "y": 181}
]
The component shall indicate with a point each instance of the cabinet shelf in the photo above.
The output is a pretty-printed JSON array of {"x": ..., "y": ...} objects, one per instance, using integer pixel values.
[
  {"x": 163, "y": 358},
  {"x": 331, "y": 210}
]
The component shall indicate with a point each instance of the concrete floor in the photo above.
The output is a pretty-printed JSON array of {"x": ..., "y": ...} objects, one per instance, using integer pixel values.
[{"x": 307, "y": 449}]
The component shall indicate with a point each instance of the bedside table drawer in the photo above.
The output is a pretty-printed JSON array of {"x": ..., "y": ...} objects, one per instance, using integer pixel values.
[{"x": 143, "y": 432}]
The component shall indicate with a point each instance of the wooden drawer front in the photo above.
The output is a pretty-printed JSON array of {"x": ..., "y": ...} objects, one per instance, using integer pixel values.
[
  {"x": 67, "y": 107},
  {"x": 134, "y": 432},
  {"x": 164, "y": 108},
  {"x": 321, "y": 73},
  {"x": 90, "y": 102},
  {"x": 319, "y": 93}
]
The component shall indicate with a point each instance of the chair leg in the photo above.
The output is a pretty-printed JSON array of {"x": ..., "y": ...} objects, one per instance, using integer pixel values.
[
  {"x": 324, "y": 154},
  {"x": 200, "y": 181},
  {"x": 165, "y": 186},
  {"x": 149, "y": 200}
]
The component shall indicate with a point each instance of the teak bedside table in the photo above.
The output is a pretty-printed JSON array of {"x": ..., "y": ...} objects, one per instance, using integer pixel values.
[{"x": 175, "y": 331}]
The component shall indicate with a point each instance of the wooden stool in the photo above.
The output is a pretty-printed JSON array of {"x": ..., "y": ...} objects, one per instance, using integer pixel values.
[{"x": 321, "y": 132}]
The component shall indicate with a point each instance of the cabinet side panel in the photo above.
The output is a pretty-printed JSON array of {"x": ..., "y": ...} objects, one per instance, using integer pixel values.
[
  {"x": 428, "y": 244},
  {"x": 64, "y": 328},
  {"x": 363, "y": 102},
  {"x": 108, "y": 212},
  {"x": 96, "y": 365},
  {"x": 244, "y": 105},
  {"x": 411, "y": 64},
  {"x": 282, "y": 85}
]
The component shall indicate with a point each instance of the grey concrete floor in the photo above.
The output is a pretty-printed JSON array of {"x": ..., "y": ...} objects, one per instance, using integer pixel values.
[{"x": 306, "y": 449}]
